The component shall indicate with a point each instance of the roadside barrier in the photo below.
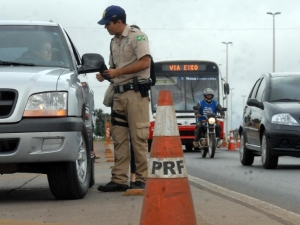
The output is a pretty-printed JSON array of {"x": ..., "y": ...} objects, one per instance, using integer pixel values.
[
  {"x": 167, "y": 197},
  {"x": 107, "y": 132},
  {"x": 108, "y": 154},
  {"x": 231, "y": 145}
]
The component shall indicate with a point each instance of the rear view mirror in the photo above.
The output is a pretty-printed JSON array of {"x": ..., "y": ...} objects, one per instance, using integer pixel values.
[
  {"x": 255, "y": 103},
  {"x": 226, "y": 89},
  {"x": 92, "y": 62},
  {"x": 224, "y": 109}
]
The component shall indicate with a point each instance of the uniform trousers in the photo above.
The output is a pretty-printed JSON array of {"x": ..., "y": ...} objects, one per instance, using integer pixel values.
[{"x": 136, "y": 110}]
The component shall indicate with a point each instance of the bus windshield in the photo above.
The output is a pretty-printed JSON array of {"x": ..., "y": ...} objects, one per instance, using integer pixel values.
[{"x": 186, "y": 87}]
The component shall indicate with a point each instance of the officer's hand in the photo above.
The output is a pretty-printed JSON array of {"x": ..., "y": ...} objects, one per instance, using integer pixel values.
[
  {"x": 198, "y": 115},
  {"x": 111, "y": 73},
  {"x": 99, "y": 77},
  {"x": 223, "y": 116}
]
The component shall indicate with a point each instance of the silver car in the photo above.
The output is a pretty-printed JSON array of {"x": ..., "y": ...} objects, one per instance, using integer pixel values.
[{"x": 45, "y": 110}]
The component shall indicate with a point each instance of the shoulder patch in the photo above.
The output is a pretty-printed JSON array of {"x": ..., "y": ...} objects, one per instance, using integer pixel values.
[{"x": 140, "y": 38}]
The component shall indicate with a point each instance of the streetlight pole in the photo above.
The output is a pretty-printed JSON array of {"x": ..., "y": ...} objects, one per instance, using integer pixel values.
[
  {"x": 273, "y": 14},
  {"x": 243, "y": 100},
  {"x": 231, "y": 107},
  {"x": 226, "y": 125}
]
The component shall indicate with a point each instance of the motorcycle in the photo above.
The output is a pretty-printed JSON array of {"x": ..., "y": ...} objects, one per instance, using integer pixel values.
[{"x": 209, "y": 142}]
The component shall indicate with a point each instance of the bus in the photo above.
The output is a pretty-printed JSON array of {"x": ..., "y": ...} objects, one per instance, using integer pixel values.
[{"x": 186, "y": 79}]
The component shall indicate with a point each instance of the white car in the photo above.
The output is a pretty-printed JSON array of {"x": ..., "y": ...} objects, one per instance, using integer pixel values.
[{"x": 45, "y": 112}]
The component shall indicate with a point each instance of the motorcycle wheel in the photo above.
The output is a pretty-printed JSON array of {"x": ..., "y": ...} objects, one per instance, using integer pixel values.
[
  {"x": 203, "y": 152},
  {"x": 212, "y": 145}
]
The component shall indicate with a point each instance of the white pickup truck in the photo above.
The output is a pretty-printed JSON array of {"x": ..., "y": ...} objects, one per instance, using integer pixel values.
[{"x": 45, "y": 113}]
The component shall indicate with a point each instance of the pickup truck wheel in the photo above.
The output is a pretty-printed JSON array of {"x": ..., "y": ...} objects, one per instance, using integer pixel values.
[{"x": 71, "y": 180}]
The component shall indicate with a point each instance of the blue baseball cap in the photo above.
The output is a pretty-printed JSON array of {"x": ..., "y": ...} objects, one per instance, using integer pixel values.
[{"x": 111, "y": 12}]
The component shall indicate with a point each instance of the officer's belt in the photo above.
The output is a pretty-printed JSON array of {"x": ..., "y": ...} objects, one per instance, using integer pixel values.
[{"x": 124, "y": 88}]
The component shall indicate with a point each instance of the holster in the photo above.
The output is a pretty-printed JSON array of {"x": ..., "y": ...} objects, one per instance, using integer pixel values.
[{"x": 144, "y": 88}]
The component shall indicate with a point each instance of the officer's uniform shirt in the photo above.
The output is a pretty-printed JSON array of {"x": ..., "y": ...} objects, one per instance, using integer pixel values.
[{"x": 132, "y": 45}]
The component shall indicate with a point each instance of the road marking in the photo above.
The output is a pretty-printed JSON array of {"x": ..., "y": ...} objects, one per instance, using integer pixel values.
[
  {"x": 19, "y": 222},
  {"x": 261, "y": 205}
]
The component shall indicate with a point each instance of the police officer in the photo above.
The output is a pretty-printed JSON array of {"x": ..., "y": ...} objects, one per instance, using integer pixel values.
[
  {"x": 204, "y": 107},
  {"x": 129, "y": 73}
]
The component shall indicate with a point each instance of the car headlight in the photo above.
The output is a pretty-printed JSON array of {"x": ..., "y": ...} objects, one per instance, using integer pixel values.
[
  {"x": 46, "y": 105},
  {"x": 211, "y": 120},
  {"x": 284, "y": 119}
]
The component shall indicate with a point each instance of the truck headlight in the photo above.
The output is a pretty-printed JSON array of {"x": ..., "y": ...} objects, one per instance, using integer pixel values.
[
  {"x": 284, "y": 119},
  {"x": 46, "y": 105},
  {"x": 211, "y": 120}
]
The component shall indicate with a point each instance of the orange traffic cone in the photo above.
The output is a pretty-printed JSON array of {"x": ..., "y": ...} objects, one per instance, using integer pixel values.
[
  {"x": 167, "y": 198},
  {"x": 238, "y": 144},
  {"x": 231, "y": 145},
  {"x": 224, "y": 142}
]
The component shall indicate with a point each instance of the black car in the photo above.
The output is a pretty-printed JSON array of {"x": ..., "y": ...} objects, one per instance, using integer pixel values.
[{"x": 271, "y": 120}]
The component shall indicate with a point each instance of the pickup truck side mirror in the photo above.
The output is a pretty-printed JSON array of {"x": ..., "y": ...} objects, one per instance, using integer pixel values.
[{"x": 92, "y": 62}]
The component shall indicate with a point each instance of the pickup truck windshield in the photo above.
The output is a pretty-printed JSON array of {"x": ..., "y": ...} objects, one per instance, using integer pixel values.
[{"x": 33, "y": 45}]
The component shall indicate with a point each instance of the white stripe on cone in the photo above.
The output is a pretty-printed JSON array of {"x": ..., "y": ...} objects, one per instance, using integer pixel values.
[{"x": 166, "y": 122}]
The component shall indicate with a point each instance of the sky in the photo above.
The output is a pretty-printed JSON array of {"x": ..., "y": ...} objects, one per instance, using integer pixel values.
[{"x": 184, "y": 29}]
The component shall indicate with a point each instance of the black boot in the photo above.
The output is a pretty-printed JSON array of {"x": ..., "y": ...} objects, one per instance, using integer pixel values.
[
  {"x": 137, "y": 185},
  {"x": 112, "y": 186}
]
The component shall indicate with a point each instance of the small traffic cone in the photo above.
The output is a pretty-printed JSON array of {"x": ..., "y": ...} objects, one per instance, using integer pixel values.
[
  {"x": 167, "y": 198},
  {"x": 107, "y": 131},
  {"x": 231, "y": 145},
  {"x": 224, "y": 142},
  {"x": 238, "y": 144}
]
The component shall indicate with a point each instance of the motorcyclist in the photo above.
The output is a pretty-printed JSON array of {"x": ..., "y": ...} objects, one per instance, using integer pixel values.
[{"x": 204, "y": 107}]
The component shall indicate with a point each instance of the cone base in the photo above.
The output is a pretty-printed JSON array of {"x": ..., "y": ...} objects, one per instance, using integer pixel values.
[
  {"x": 231, "y": 147},
  {"x": 168, "y": 202}
]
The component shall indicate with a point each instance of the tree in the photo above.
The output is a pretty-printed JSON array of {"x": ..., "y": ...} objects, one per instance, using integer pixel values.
[{"x": 100, "y": 118}]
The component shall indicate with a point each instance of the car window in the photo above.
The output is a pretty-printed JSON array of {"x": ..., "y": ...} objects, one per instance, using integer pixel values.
[
  {"x": 254, "y": 89},
  {"x": 261, "y": 90},
  {"x": 285, "y": 89},
  {"x": 39, "y": 45}
]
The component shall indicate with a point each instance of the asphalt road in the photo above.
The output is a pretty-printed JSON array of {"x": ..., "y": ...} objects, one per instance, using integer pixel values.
[
  {"x": 25, "y": 199},
  {"x": 279, "y": 187}
]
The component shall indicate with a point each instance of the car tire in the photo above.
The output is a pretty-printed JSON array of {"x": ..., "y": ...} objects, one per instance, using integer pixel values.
[
  {"x": 71, "y": 180},
  {"x": 246, "y": 156},
  {"x": 189, "y": 147},
  {"x": 268, "y": 160}
]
